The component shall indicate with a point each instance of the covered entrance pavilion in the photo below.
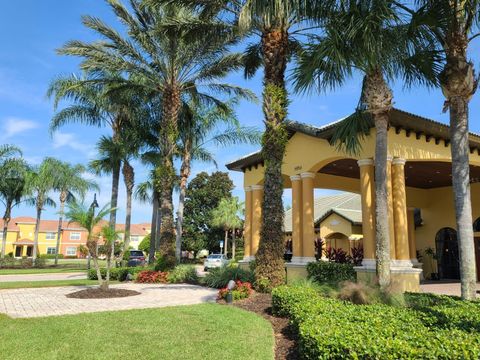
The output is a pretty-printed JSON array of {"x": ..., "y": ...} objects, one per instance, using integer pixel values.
[{"x": 419, "y": 182}]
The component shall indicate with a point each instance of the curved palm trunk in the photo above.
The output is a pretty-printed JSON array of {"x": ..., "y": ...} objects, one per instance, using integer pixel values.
[
  {"x": 184, "y": 174},
  {"x": 63, "y": 199},
  {"x": 35, "y": 237},
  {"x": 6, "y": 220},
  {"x": 129, "y": 179},
  {"x": 234, "y": 245},
  {"x": 225, "y": 245},
  {"x": 114, "y": 195},
  {"x": 269, "y": 258},
  {"x": 378, "y": 97},
  {"x": 159, "y": 221},
  {"x": 153, "y": 230},
  {"x": 166, "y": 172}
]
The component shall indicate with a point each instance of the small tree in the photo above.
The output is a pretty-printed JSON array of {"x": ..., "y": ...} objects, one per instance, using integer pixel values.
[
  {"x": 86, "y": 218},
  {"x": 226, "y": 217}
]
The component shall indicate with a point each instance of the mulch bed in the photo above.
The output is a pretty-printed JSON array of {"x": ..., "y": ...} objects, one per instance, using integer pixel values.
[
  {"x": 96, "y": 293},
  {"x": 285, "y": 336}
]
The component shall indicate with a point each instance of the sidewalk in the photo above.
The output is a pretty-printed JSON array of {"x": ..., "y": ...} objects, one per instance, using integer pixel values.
[{"x": 43, "y": 277}]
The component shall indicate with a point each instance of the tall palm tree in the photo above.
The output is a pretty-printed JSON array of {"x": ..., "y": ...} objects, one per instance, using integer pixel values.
[
  {"x": 454, "y": 25},
  {"x": 13, "y": 172},
  {"x": 226, "y": 217},
  {"x": 40, "y": 181},
  {"x": 8, "y": 151},
  {"x": 93, "y": 104},
  {"x": 163, "y": 58},
  {"x": 87, "y": 219},
  {"x": 197, "y": 131},
  {"x": 145, "y": 192},
  {"x": 69, "y": 181},
  {"x": 371, "y": 37}
]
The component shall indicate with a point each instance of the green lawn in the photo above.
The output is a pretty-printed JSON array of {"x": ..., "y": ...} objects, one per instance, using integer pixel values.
[
  {"x": 206, "y": 331},
  {"x": 48, "y": 283},
  {"x": 39, "y": 271}
]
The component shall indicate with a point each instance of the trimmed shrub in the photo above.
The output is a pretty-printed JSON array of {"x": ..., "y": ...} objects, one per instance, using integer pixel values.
[
  {"x": 335, "y": 329},
  {"x": 183, "y": 274},
  {"x": 149, "y": 276},
  {"x": 219, "y": 277},
  {"x": 242, "y": 290},
  {"x": 330, "y": 272},
  {"x": 51, "y": 256}
]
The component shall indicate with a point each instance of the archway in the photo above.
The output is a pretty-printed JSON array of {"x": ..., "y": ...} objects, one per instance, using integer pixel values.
[
  {"x": 338, "y": 241},
  {"x": 447, "y": 254}
]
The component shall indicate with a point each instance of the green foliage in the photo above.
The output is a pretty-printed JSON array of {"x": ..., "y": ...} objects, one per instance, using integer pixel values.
[
  {"x": 51, "y": 256},
  {"x": 183, "y": 274},
  {"x": 334, "y": 329},
  {"x": 219, "y": 277},
  {"x": 204, "y": 193},
  {"x": 330, "y": 272},
  {"x": 119, "y": 274},
  {"x": 164, "y": 264},
  {"x": 145, "y": 244}
]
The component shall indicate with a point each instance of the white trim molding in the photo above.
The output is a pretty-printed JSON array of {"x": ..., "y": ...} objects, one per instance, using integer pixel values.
[
  {"x": 369, "y": 264},
  {"x": 247, "y": 188},
  {"x": 307, "y": 175},
  {"x": 302, "y": 260},
  {"x": 295, "y": 178},
  {"x": 365, "y": 162},
  {"x": 256, "y": 187},
  {"x": 399, "y": 161}
]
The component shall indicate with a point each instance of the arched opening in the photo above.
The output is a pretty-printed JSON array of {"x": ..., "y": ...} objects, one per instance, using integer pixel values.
[
  {"x": 447, "y": 254},
  {"x": 476, "y": 225},
  {"x": 338, "y": 241}
]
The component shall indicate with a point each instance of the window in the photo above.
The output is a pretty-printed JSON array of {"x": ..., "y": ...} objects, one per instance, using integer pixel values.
[
  {"x": 75, "y": 236},
  {"x": 51, "y": 250},
  {"x": 71, "y": 250},
  {"x": 134, "y": 238},
  {"x": 51, "y": 236}
]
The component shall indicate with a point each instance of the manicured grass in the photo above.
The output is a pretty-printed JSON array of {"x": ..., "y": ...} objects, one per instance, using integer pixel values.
[
  {"x": 39, "y": 271},
  {"x": 48, "y": 283},
  {"x": 206, "y": 331}
]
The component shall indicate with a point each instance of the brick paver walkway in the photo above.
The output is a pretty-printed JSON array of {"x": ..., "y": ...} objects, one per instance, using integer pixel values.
[
  {"x": 43, "y": 277},
  {"x": 24, "y": 303},
  {"x": 443, "y": 287}
]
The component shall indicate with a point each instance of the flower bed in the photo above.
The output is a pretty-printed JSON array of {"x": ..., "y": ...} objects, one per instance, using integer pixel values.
[
  {"x": 151, "y": 276},
  {"x": 242, "y": 290},
  {"x": 334, "y": 329}
]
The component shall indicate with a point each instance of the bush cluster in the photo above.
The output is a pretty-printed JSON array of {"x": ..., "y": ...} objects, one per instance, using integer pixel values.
[
  {"x": 219, "y": 277},
  {"x": 242, "y": 290},
  {"x": 151, "y": 276},
  {"x": 51, "y": 256},
  {"x": 330, "y": 272},
  {"x": 119, "y": 274},
  {"x": 335, "y": 329},
  {"x": 183, "y": 274}
]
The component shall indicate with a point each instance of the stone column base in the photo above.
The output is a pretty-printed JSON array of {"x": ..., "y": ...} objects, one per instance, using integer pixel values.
[
  {"x": 302, "y": 260},
  {"x": 402, "y": 278},
  {"x": 295, "y": 271},
  {"x": 245, "y": 263}
]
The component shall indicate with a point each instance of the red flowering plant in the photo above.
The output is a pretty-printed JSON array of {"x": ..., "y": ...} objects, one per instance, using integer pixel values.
[
  {"x": 242, "y": 290},
  {"x": 150, "y": 276}
]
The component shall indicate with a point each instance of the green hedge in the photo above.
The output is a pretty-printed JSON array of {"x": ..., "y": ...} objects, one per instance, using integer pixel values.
[
  {"x": 183, "y": 274},
  {"x": 219, "y": 277},
  {"x": 330, "y": 272},
  {"x": 334, "y": 329},
  {"x": 119, "y": 274}
]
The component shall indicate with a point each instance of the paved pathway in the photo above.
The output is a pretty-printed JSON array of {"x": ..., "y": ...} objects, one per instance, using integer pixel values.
[
  {"x": 44, "y": 277},
  {"x": 24, "y": 303},
  {"x": 444, "y": 287}
]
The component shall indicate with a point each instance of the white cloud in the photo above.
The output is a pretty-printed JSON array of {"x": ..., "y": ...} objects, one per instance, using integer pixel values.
[
  {"x": 61, "y": 139},
  {"x": 13, "y": 126}
]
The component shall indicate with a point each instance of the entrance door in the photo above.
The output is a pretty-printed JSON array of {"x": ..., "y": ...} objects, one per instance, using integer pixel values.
[
  {"x": 29, "y": 251},
  {"x": 447, "y": 252},
  {"x": 18, "y": 251},
  {"x": 477, "y": 256}
]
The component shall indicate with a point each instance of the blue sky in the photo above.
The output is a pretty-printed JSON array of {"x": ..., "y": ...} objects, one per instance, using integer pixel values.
[{"x": 31, "y": 30}]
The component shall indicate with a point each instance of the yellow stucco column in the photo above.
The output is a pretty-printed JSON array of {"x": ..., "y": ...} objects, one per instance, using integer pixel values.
[
  {"x": 297, "y": 210},
  {"x": 257, "y": 199},
  {"x": 247, "y": 232},
  {"x": 308, "y": 231},
  {"x": 400, "y": 211},
  {"x": 367, "y": 192},
  {"x": 412, "y": 242},
  {"x": 391, "y": 222}
]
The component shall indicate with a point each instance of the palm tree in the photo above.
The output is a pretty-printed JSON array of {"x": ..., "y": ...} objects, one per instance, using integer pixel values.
[
  {"x": 371, "y": 37},
  {"x": 196, "y": 132},
  {"x": 226, "y": 217},
  {"x": 13, "y": 172},
  {"x": 40, "y": 181},
  {"x": 68, "y": 182},
  {"x": 8, "y": 151},
  {"x": 93, "y": 104},
  {"x": 163, "y": 58},
  {"x": 86, "y": 218},
  {"x": 145, "y": 192},
  {"x": 454, "y": 24}
]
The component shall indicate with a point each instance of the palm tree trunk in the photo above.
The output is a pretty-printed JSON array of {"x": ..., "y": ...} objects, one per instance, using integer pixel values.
[
  {"x": 184, "y": 173},
  {"x": 269, "y": 258},
  {"x": 234, "y": 245},
  {"x": 159, "y": 222},
  {"x": 461, "y": 190},
  {"x": 6, "y": 221},
  {"x": 129, "y": 179},
  {"x": 153, "y": 230},
  {"x": 166, "y": 172},
  {"x": 114, "y": 195},
  {"x": 35, "y": 237},
  {"x": 225, "y": 248},
  {"x": 63, "y": 197}
]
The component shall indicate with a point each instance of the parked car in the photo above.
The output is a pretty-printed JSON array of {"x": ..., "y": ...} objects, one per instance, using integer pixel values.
[
  {"x": 136, "y": 258},
  {"x": 215, "y": 261}
]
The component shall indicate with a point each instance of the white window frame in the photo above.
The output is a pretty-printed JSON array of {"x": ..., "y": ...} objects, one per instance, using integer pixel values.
[
  {"x": 54, "y": 250},
  {"x": 73, "y": 236},
  {"x": 134, "y": 238},
  {"x": 68, "y": 253},
  {"x": 52, "y": 236}
]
